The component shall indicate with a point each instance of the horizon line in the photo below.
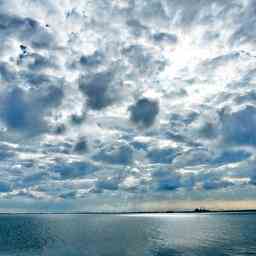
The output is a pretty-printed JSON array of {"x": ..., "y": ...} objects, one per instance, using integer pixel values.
[{"x": 133, "y": 212}]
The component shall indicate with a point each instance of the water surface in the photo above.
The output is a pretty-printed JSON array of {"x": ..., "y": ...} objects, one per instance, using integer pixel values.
[{"x": 122, "y": 235}]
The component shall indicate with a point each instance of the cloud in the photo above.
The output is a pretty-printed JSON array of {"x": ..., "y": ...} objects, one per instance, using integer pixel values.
[
  {"x": 164, "y": 155},
  {"x": 36, "y": 62},
  {"x": 98, "y": 90},
  {"x": 81, "y": 146},
  {"x": 116, "y": 154},
  {"x": 69, "y": 195},
  {"x": 242, "y": 34},
  {"x": 24, "y": 111},
  {"x": 212, "y": 184},
  {"x": 231, "y": 156},
  {"x": 193, "y": 157},
  {"x": 74, "y": 169},
  {"x": 144, "y": 59},
  {"x": 167, "y": 180},
  {"x": 25, "y": 29},
  {"x": 136, "y": 28},
  {"x": 92, "y": 60},
  {"x": 239, "y": 126},
  {"x": 165, "y": 37},
  {"x": 5, "y": 73},
  {"x": 6, "y": 152},
  {"x": 18, "y": 114},
  {"x": 4, "y": 187},
  {"x": 60, "y": 147},
  {"x": 106, "y": 184},
  {"x": 144, "y": 112}
]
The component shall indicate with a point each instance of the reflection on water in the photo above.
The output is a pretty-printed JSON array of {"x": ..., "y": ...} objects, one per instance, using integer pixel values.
[{"x": 127, "y": 235}]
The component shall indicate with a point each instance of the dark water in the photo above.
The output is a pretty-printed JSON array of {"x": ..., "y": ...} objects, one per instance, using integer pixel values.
[{"x": 121, "y": 235}]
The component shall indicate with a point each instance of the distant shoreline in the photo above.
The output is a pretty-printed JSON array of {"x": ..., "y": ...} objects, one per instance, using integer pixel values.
[{"x": 128, "y": 213}]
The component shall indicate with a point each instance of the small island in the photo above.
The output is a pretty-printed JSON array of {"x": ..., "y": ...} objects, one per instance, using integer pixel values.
[{"x": 200, "y": 210}]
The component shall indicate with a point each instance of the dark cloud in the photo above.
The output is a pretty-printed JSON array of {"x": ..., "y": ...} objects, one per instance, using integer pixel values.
[
  {"x": 239, "y": 126},
  {"x": 36, "y": 62},
  {"x": 175, "y": 136},
  {"x": 68, "y": 195},
  {"x": 97, "y": 89},
  {"x": 168, "y": 181},
  {"x": 163, "y": 251},
  {"x": 144, "y": 112},
  {"x": 117, "y": 154},
  {"x": 74, "y": 169},
  {"x": 252, "y": 180},
  {"x": 50, "y": 96},
  {"x": 63, "y": 148},
  {"x": 19, "y": 114},
  {"x": 143, "y": 59},
  {"x": 216, "y": 184},
  {"x": 4, "y": 187},
  {"x": 231, "y": 156},
  {"x": 136, "y": 28},
  {"x": 5, "y": 73},
  {"x": 247, "y": 98},
  {"x": 27, "y": 163},
  {"x": 139, "y": 145},
  {"x": 6, "y": 152},
  {"x": 165, "y": 155},
  {"x": 77, "y": 119},
  {"x": 160, "y": 37},
  {"x": 178, "y": 124},
  {"x": 211, "y": 180},
  {"x": 37, "y": 79},
  {"x": 81, "y": 145},
  {"x": 24, "y": 111},
  {"x": 193, "y": 157},
  {"x": 92, "y": 60},
  {"x": 25, "y": 29},
  {"x": 208, "y": 129},
  {"x": 106, "y": 184},
  {"x": 179, "y": 121},
  {"x": 33, "y": 179},
  {"x": 59, "y": 129}
]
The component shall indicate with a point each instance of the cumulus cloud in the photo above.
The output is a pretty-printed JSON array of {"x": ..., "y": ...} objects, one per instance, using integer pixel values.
[
  {"x": 153, "y": 100},
  {"x": 116, "y": 154},
  {"x": 91, "y": 60},
  {"x": 24, "y": 111},
  {"x": 144, "y": 112},
  {"x": 6, "y": 74},
  {"x": 4, "y": 187},
  {"x": 239, "y": 126},
  {"x": 165, "y": 37},
  {"x": 26, "y": 29},
  {"x": 73, "y": 169},
  {"x": 167, "y": 180},
  {"x": 81, "y": 145},
  {"x": 98, "y": 90}
]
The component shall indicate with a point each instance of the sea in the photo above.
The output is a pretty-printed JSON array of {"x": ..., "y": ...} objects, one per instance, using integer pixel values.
[{"x": 188, "y": 234}]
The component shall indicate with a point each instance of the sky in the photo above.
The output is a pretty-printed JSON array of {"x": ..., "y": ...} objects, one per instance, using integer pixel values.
[{"x": 127, "y": 105}]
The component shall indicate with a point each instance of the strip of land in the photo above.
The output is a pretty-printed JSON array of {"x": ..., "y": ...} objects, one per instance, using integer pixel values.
[{"x": 196, "y": 211}]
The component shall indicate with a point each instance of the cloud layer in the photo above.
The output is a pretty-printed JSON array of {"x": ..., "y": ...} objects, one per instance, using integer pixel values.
[{"x": 121, "y": 104}]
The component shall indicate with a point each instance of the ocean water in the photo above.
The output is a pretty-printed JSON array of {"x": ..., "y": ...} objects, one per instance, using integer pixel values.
[{"x": 120, "y": 235}]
